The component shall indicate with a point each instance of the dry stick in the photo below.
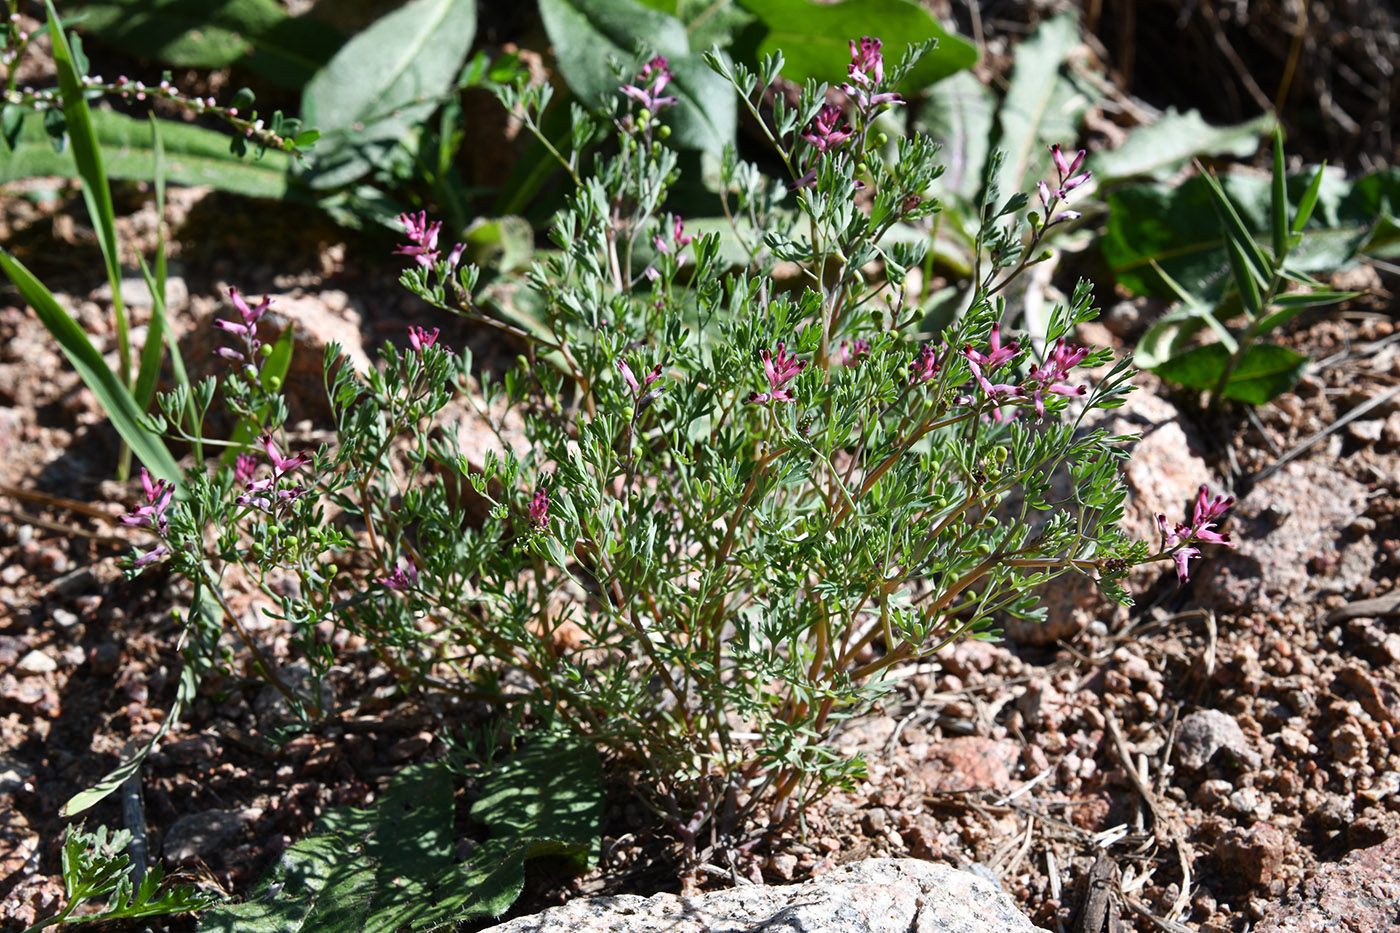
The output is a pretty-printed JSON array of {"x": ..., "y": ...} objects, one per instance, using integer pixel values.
[
  {"x": 1341, "y": 422},
  {"x": 61, "y": 528},
  {"x": 1160, "y": 830}
]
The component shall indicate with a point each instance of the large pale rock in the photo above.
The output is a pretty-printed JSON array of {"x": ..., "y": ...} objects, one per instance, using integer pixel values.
[
  {"x": 873, "y": 896},
  {"x": 1286, "y": 534},
  {"x": 1361, "y": 892}
]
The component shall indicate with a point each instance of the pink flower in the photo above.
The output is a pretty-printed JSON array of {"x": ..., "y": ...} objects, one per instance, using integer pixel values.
[
  {"x": 402, "y": 577},
  {"x": 924, "y": 366},
  {"x": 152, "y": 514},
  {"x": 678, "y": 240},
  {"x": 1203, "y": 517},
  {"x": 780, "y": 370},
  {"x": 851, "y": 354},
  {"x": 1065, "y": 169},
  {"x": 281, "y": 464},
  {"x": 631, "y": 380},
  {"x": 827, "y": 131},
  {"x": 1051, "y": 377},
  {"x": 867, "y": 67},
  {"x": 244, "y": 465},
  {"x": 423, "y": 237},
  {"x": 154, "y": 554},
  {"x": 421, "y": 338},
  {"x": 983, "y": 363},
  {"x": 658, "y": 73},
  {"x": 866, "y": 72},
  {"x": 539, "y": 508},
  {"x": 246, "y": 328}
]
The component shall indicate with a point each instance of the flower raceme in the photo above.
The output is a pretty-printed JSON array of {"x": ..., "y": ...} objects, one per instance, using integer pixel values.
[
  {"x": 1180, "y": 541},
  {"x": 402, "y": 577},
  {"x": 247, "y": 328},
  {"x": 866, "y": 73},
  {"x": 649, "y": 84},
  {"x": 152, "y": 514},
  {"x": 827, "y": 131},
  {"x": 780, "y": 370},
  {"x": 420, "y": 338}
]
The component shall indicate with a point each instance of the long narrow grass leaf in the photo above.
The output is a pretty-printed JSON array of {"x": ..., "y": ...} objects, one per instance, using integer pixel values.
[
  {"x": 1308, "y": 201},
  {"x": 121, "y": 408},
  {"x": 1278, "y": 200},
  {"x": 1244, "y": 278},
  {"x": 152, "y": 353},
  {"x": 1236, "y": 232}
]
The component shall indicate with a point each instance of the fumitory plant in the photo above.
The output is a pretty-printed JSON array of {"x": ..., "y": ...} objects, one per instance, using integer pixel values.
[{"x": 724, "y": 505}]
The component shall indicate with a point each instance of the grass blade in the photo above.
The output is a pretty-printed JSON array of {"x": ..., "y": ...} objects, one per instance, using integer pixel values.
[
  {"x": 121, "y": 408},
  {"x": 1308, "y": 201},
  {"x": 1278, "y": 216},
  {"x": 151, "y": 353},
  {"x": 1235, "y": 230}
]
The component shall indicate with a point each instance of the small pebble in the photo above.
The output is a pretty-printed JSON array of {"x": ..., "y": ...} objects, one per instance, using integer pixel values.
[{"x": 36, "y": 662}]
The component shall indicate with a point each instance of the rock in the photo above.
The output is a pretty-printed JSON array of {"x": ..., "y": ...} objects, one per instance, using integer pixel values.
[
  {"x": 199, "y": 834},
  {"x": 1286, "y": 534},
  {"x": 1379, "y": 697},
  {"x": 1204, "y": 733},
  {"x": 36, "y": 662},
  {"x": 970, "y": 763},
  {"x": 1253, "y": 856},
  {"x": 1361, "y": 892},
  {"x": 1366, "y": 431},
  {"x": 873, "y": 896},
  {"x": 14, "y": 774}
]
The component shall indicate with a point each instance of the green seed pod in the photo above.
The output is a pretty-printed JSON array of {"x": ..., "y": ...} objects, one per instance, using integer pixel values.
[
  {"x": 663, "y": 133},
  {"x": 331, "y": 570},
  {"x": 274, "y": 383},
  {"x": 644, "y": 116},
  {"x": 982, "y": 550},
  {"x": 999, "y": 454},
  {"x": 991, "y": 521},
  {"x": 881, "y": 139},
  {"x": 265, "y": 350}
]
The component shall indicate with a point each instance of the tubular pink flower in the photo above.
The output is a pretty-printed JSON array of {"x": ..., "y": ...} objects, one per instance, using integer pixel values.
[
  {"x": 251, "y": 315},
  {"x": 244, "y": 466},
  {"x": 852, "y": 353},
  {"x": 827, "y": 131},
  {"x": 423, "y": 238},
  {"x": 281, "y": 464},
  {"x": 154, "y": 554},
  {"x": 402, "y": 577},
  {"x": 925, "y": 365},
  {"x": 152, "y": 514},
  {"x": 1205, "y": 513},
  {"x": 658, "y": 73},
  {"x": 780, "y": 370},
  {"x": 1051, "y": 377},
  {"x": 867, "y": 67},
  {"x": 539, "y": 508},
  {"x": 997, "y": 354},
  {"x": 420, "y": 338}
]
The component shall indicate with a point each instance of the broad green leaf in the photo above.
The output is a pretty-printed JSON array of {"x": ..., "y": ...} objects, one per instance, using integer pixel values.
[
  {"x": 1263, "y": 372},
  {"x": 815, "y": 38},
  {"x": 551, "y": 788},
  {"x": 116, "y": 401},
  {"x": 1036, "y": 97},
  {"x": 958, "y": 114},
  {"x": 321, "y": 883},
  {"x": 193, "y": 156},
  {"x": 1159, "y": 149},
  {"x": 256, "y": 35},
  {"x": 1198, "y": 368},
  {"x": 589, "y": 35},
  {"x": 84, "y": 800},
  {"x": 382, "y": 82}
]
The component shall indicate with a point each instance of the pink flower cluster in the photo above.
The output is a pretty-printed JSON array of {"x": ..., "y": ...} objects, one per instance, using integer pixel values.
[
  {"x": 420, "y": 338},
  {"x": 827, "y": 131},
  {"x": 1050, "y": 377},
  {"x": 780, "y": 370},
  {"x": 865, "y": 74},
  {"x": 422, "y": 242},
  {"x": 852, "y": 353},
  {"x": 1181, "y": 540},
  {"x": 642, "y": 392},
  {"x": 151, "y": 515},
  {"x": 539, "y": 508},
  {"x": 263, "y": 494},
  {"x": 402, "y": 577},
  {"x": 1067, "y": 182},
  {"x": 247, "y": 328},
  {"x": 650, "y": 83}
]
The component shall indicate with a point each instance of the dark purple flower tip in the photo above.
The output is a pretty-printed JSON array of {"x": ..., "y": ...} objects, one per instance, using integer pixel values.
[
  {"x": 421, "y": 338},
  {"x": 402, "y": 577},
  {"x": 539, "y": 508}
]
